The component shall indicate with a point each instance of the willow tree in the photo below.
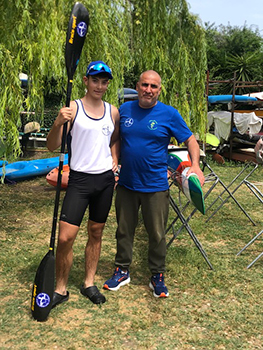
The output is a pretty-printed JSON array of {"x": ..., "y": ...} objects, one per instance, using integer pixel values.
[
  {"x": 130, "y": 36},
  {"x": 33, "y": 43},
  {"x": 168, "y": 39}
]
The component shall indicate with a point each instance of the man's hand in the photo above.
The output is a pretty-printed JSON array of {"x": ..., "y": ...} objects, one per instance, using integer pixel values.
[
  {"x": 194, "y": 152},
  {"x": 115, "y": 167},
  {"x": 196, "y": 170},
  {"x": 64, "y": 115}
]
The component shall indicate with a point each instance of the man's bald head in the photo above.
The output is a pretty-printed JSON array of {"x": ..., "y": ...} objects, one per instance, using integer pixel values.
[{"x": 149, "y": 88}]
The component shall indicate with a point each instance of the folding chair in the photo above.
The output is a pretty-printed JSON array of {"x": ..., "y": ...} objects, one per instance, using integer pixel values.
[
  {"x": 253, "y": 188},
  {"x": 247, "y": 245},
  {"x": 215, "y": 179},
  {"x": 184, "y": 221},
  {"x": 188, "y": 229},
  {"x": 212, "y": 176},
  {"x": 259, "y": 195}
]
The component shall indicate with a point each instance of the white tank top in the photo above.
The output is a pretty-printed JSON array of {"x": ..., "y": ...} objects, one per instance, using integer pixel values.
[{"x": 89, "y": 141}]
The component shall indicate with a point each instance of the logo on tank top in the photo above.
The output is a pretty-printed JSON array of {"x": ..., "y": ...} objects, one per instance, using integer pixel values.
[
  {"x": 128, "y": 122},
  {"x": 152, "y": 125},
  {"x": 106, "y": 130}
]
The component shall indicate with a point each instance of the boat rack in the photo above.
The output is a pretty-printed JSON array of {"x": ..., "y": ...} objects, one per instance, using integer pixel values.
[{"x": 236, "y": 84}]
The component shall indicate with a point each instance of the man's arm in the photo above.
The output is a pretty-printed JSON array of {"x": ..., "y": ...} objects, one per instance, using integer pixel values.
[
  {"x": 194, "y": 152},
  {"x": 115, "y": 139}
]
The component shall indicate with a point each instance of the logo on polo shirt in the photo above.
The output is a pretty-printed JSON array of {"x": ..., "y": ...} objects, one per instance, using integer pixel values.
[
  {"x": 152, "y": 125},
  {"x": 128, "y": 122}
]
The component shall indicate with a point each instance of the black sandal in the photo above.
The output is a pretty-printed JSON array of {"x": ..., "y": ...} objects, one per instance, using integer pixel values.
[
  {"x": 59, "y": 298},
  {"x": 93, "y": 294}
]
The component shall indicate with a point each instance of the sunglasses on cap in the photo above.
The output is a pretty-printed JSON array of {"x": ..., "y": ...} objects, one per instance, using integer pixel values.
[{"x": 99, "y": 68}]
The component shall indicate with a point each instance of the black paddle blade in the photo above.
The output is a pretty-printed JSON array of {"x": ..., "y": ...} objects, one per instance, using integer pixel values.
[
  {"x": 77, "y": 30},
  {"x": 43, "y": 288}
]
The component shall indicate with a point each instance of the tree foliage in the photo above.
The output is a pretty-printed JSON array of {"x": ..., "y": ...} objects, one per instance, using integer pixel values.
[
  {"x": 167, "y": 38},
  {"x": 130, "y": 36},
  {"x": 234, "y": 49}
]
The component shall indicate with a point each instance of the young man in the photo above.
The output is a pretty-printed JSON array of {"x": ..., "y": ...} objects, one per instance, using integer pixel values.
[
  {"x": 146, "y": 127},
  {"x": 93, "y": 137}
]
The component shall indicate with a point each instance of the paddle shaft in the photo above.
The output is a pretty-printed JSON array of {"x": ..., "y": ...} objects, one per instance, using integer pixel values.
[{"x": 60, "y": 171}]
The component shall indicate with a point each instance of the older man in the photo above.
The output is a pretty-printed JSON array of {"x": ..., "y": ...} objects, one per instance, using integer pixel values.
[{"x": 146, "y": 127}]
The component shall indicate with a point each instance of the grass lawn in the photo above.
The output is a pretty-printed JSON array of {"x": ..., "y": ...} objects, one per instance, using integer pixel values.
[{"x": 219, "y": 309}]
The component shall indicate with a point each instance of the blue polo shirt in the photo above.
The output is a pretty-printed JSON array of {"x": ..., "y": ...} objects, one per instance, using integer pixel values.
[{"x": 145, "y": 136}]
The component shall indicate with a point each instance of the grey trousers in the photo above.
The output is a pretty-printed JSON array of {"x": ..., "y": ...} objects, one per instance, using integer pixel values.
[{"x": 155, "y": 208}]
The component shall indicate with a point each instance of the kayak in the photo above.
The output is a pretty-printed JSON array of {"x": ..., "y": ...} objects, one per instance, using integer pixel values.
[
  {"x": 24, "y": 170},
  {"x": 52, "y": 176},
  {"x": 228, "y": 98},
  {"x": 179, "y": 163},
  {"x": 2, "y": 162},
  {"x": 179, "y": 160}
]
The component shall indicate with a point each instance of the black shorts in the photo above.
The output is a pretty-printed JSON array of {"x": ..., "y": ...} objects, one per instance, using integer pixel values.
[{"x": 93, "y": 190}]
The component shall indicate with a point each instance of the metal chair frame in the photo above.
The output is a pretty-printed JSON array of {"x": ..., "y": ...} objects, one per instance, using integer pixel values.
[
  {"x": 259, "y": 195},
  {"x": 211, "y": 177},
  {"x": 185, "y": 224},
  {"x": 247, "y": 245}
]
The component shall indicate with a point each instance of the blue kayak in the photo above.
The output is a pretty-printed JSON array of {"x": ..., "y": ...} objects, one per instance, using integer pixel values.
[
  {"x": 228, "y": 98},
  {"x": 2, "y": 162},
  {"x": 24, "y": 170}
]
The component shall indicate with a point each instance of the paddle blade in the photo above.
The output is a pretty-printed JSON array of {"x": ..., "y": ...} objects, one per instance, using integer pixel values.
[
  {"x": 192, "y": 189},
  {"x": 196, "y": 193},
  {"x": 76, "y": 33},
  {"x": 43, "y": 288}
]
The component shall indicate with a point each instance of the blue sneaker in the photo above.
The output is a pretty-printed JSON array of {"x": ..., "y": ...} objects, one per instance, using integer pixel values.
[
  {"x": 118, "y": 279},
  {"x": 157, "y": 285}
]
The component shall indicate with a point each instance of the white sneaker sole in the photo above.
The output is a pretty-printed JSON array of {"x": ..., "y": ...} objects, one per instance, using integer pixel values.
[
  {"x": 162, "y": 295},
  {"x": 114, "y": 289}
]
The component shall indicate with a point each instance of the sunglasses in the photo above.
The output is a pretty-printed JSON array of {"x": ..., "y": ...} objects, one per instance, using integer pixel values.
[{"x": 99, "y": 67}]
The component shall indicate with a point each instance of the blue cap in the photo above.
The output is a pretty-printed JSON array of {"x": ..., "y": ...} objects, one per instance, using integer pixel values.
[{"x": 98, "y": 67}]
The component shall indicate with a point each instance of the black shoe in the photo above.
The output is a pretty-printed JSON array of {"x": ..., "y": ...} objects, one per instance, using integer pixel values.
[
  {"x": 59, "y": 298},
  {"x": 93, "y": 294}
]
